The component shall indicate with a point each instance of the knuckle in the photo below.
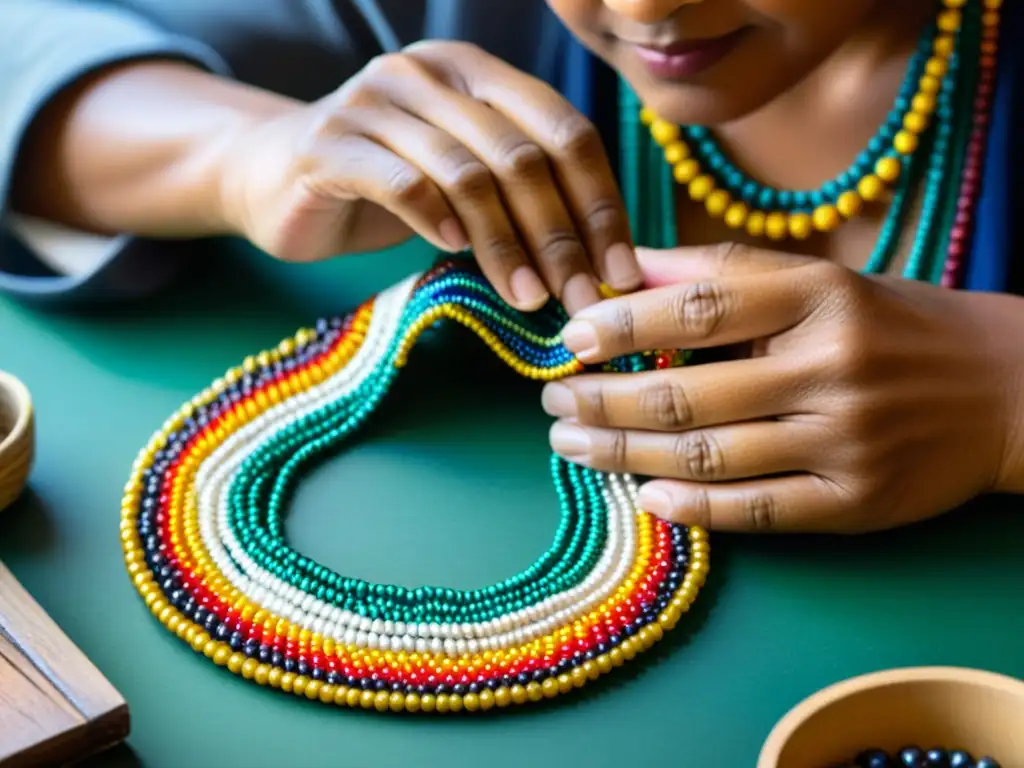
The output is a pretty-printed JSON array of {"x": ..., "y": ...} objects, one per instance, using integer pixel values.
[
  {"x": 561, "y": 251},
  {"x": 624, "y": 325},
  {"x": 465, "y": 175},
  {"x": 848, "y": 355},
  {"x": 724, "y": 253},
  {"x": 603, "y": 215},
  {"x": 761, "y": 511},
  {"x": 664, "y": 404},
  {"x": 593, "y": 405},
  {"x": 503, "y": 249},
  {"x": 389, "y": 65},
  {"x": 617, "y": 448},
  {"x": 519, "y": 158},
  {"x": 574, "y": 136},
  {"x": 698, "y": 309},
  {"x": 699, "y": 457},
  {"x": 406, "y": 184}
]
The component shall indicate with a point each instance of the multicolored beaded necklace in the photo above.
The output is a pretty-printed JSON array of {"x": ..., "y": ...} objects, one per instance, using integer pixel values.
[
  {"x": 202, "y": 513},
  {"x": 935, "y": 135},
  {"x": 202, "y": 531}
]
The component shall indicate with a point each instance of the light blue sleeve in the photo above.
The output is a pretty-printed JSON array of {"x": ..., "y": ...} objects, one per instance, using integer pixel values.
[{"x": 45, "y": 45}]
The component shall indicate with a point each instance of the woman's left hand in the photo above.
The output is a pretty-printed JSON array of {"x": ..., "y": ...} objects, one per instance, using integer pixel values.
[{"x": 866, "y": 403}]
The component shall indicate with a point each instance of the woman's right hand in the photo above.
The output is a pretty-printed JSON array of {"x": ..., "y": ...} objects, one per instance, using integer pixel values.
[{"x": 448, "y": 142}]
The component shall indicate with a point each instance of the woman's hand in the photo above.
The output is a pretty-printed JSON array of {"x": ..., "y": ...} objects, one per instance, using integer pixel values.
[
  {"x": 865, "y": 403},
  {"x": 449, "y": 142}
]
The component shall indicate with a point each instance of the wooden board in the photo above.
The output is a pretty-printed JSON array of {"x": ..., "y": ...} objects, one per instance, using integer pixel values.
[{"x": 55, "y": 706}]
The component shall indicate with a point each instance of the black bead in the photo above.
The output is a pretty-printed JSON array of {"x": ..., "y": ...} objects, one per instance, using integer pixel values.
[
  {"x": 628, "y": 630},
  {"x": 251, "y": 647},
  {"x": 523, "y": 678},
  {"x": 986, "y": 762},
  {"x": 302, "y": 668},
  {"x": 602, "y": 648},
  {"x": 474, "y": 688},
  {"x": 317, "y": 673},
  {"x": 398, "y": 688},
  {"x": 380, "y": 685},
  {"x": 322, "y": 324},
  {"x": 171, "y": 584},
  {"x": 365, "y": 684},
  {"x": 873, "y": 758},
  {"x": 492, "y": 684},
  {"x": 333, "y": 678},
  {"x": 289, "y": 664},
  {"x": 936, "y": 758},
  {"x": 211, "y": 622},
  {"x": 266, "y": 653},
  {"x": 200, "y": 615},
  {"x": 152, "y": 543},
  {"x": 459, "y": 689},
  {"x": 539, "y": 675},
  {"x": 223, "y": 632},
  {"x": 277, "y": 659},
  {"x": 189, "y": 606},
  {"x": 590, "y": 655},
  {"x": 422, "y": 689},
  {"x": 236, "y": 641},
  {"x": 911, "y": 757}
]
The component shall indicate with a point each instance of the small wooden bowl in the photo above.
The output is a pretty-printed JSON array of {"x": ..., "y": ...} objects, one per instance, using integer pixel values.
[
  {"x": 947, "y": 707},
  {"x": 17, "y": 438}
]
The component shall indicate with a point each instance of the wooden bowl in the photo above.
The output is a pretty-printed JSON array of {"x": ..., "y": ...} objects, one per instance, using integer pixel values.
[
  {"x": 17, "y": 438},
  {"x": 946, "y": 707}
]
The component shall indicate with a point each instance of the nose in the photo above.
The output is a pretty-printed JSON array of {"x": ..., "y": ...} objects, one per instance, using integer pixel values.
[{"x": 647, "y": 11}]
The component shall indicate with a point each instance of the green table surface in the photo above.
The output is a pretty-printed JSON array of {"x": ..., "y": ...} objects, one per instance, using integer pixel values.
[{"x": 449, "y": 484}]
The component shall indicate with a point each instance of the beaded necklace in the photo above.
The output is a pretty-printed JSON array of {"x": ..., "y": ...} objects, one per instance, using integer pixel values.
[
  {"x": 202, "y": 530},
  {"x": 935, "y": 134},
  {"x": 202, "y": 513}
]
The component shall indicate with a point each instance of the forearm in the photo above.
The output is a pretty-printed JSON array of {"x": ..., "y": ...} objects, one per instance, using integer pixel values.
[{"x": 136, "y": 148}]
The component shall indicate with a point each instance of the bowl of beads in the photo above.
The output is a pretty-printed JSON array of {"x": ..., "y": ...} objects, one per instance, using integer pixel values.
[
  {"x": 17, "y": 438},
  {"x": 920, "y": 717}
]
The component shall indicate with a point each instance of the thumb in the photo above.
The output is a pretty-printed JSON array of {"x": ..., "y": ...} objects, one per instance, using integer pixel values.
[{"x": 670, "y": 266}]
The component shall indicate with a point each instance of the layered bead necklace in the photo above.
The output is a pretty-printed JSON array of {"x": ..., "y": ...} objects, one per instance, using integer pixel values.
[
  {"x": 933, "y": 139},
  {"x": 202, "y": 527},
  {"x": 202, "y": 516}
]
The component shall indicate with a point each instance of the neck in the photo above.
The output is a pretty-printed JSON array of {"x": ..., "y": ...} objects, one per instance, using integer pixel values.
[{"x": 814, "y": 130}]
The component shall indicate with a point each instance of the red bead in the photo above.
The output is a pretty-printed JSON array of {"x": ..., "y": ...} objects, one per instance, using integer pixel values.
[
  {"x": 956, "y": 250},
  {"x": 663, "y": 361}
]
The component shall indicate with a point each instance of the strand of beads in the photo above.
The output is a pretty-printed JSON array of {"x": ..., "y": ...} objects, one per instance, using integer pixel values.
[
  {"x": 202, "y": 531},
  {"x": 712, "y": 179}
]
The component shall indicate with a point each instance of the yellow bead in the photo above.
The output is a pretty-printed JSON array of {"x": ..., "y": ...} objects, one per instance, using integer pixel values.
[
  {"x": 849, "y": 204},
  {"x": 348, "y": 697},
  {"x": 300, "y": 684},
  {"x": 888, "y": 169},
  {"x": 944, "y": 45},
  {"x": 736, "y": 215},
  {"x": 579, "y": 677},
  {"x": 455, "y": 702},
  {"x": 382, "y": 701},
  {"x": 647, "y": 116},
  {"x": 936, "y": 66},
  {"x": 396, "y": 702},
  {"x": 800, "y": 226},
  {"x": 274, "y": 677},
  {"x": 327, "y": 693},
  {"x": 870, "y": 187},
  {"x": 549, "y": 688},
  {"x": 471, "y": 702},
  {"x": 519, "y": 694},
  {"x": 701, "y": 187},
  {"x": 905, "y": 142},
  {"x": 929, "y": 84},
  {"x": 503, "y": 697},
  {"x": 287, "y": 681},
  {"x": 664, "y": 132},
  {"x": 776, "y": 225},
  {"x": 755, "y": 224},
  {"x": 486, "y": 700},
  {"x": 993, "y": 5},
  {"x": 825, "y": 218},
  {"x": 249, "y": 668},
  {"x": 717, "y": 203},
  {"x": 676, "y": 152},
  {"x": 221, "y": 655},
  {"x": 915, "y": 122},
  {"x": 564, "y": 683},
  {"x": 412, "y": 702},
  {"x": 686, "y": 171},
  {"x": 949, "y": 21},
  {"x": 262, "y": 674},
  {"x": 534, "y": 691},
  {"x": 954, "y": 3},
  {"x": 199, "y": 641}
]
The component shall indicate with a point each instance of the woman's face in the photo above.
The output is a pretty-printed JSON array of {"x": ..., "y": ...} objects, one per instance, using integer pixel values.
[{"x": 712, "y": 61}]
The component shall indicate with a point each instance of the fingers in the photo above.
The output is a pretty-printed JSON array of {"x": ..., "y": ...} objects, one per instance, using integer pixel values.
[
  {"x": 687, "y": 265},
  {"x": 712, "y": 455},
  {"x": 680, "y": 399},
  {"x": 710, "y": 313},
  {"x": 796, "y": 503},
  {"x": 353, "y": 167},
  {"x": 470, "y": 189},
  {"x": 575, "y": 162}
]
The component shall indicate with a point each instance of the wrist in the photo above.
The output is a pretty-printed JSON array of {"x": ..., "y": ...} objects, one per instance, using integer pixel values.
[{"x": 1007, "y": 322}]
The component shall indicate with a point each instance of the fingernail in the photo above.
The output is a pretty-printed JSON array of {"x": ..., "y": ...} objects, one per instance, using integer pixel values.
[
  {"x": 569, "y": 441},
  {"x": 654, "y": 501},
  {"x": 580, "y": 338},
  {"x": 623, "y": 272},
  {"x": 557, "y": 400},
  {"x": 527, "y": 288},
  {"x": 579, "y": 293},
  {"x": 453, "y": 234}
]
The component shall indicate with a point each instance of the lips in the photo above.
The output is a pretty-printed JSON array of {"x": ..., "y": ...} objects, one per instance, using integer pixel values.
[{"x": 686, "y": 58}]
